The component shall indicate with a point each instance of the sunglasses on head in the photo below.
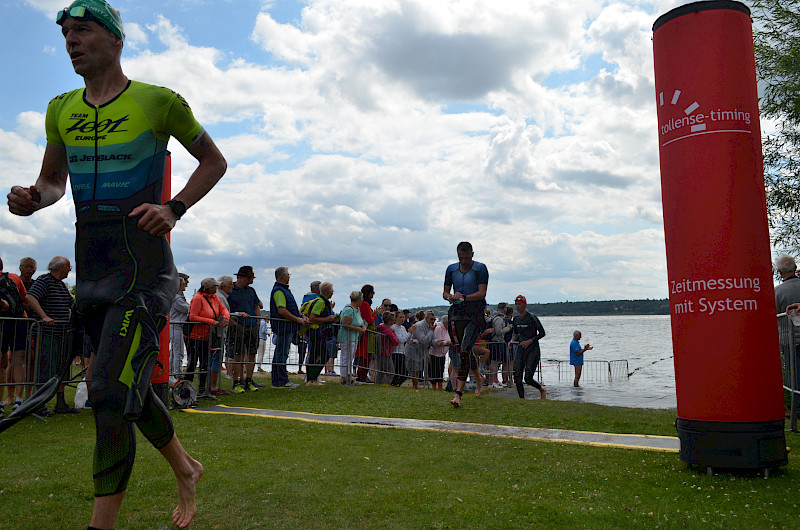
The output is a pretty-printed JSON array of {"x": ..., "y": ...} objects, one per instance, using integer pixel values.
[{"x": 74, "y": 12}]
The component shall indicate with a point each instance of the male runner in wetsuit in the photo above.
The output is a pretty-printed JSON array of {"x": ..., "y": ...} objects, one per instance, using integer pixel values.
[
  {"x": 468, "y": 280},
  {"x": 111, "y": 137},
  {"x": 527, "y": 331}
]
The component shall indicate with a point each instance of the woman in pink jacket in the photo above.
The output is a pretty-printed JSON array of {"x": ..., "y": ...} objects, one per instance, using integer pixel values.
[
  {"x": 384, "y": 369},
  {"x": 207, "y": 310}
]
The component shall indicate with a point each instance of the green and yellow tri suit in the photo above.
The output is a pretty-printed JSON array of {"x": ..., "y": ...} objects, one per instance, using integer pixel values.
[
  {"x": 116, "y": 154},
  {"x": 126, "y": 279}
]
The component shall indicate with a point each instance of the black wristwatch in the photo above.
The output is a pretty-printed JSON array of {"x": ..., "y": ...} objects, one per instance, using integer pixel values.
[{"x": 177, "y": 207}]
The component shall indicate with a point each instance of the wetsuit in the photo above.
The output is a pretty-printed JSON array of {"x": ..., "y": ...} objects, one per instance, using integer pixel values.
[
  {"x": 527, "y": 359},
  {"x": 126, "y": 279},
  {"x": 466, "y": 317}
]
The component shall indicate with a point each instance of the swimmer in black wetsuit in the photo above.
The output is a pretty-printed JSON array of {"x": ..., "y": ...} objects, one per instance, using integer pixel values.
[
  {"x": 527, "y": 332},
  {"x": 126, "y": 279}
]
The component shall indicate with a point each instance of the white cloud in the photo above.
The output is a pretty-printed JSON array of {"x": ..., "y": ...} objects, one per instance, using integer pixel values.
[
  {"x": 135, "y": 36},
  {"x": 286, "y": 42}
]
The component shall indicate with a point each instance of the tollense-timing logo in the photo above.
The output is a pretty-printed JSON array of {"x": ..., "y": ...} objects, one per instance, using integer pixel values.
[{"x": 693, "y": 120}]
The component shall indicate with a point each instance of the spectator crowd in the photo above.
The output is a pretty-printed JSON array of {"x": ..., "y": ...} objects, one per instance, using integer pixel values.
[
  {"x": 362, "y": 343},
  {"x": 223, "y": 331}
]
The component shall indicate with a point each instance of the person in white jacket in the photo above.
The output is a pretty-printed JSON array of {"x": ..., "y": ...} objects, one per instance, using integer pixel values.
[
  {"x": 439, "y": 350},
  {"x": 399, "y": 351}
]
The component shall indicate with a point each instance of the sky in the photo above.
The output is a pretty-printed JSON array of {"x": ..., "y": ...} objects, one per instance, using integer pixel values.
[{"x": 366, "y": 138}]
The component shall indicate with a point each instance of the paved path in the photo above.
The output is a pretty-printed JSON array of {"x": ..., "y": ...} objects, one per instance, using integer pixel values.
[{"x": 628, "y": 441}]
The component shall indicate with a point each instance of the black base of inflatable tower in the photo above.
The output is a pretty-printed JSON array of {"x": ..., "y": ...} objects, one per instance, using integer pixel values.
[{"x": 732, "y": 445}]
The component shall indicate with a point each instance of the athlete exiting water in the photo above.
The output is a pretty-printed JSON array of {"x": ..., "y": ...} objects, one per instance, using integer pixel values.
[
  {"x": 111, "y": 137},
  {"x": 527, "y": 331},
  {"x": 468, "y": 281}
]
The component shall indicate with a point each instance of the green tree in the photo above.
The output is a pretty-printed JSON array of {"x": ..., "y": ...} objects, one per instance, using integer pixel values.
[{"x": 777, "y": 46}]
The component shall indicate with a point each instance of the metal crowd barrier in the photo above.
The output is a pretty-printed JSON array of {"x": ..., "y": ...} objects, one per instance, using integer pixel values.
[
  {"x": 788, "y": 335},
  {"x": 373, "y": 369},
  {"x": 16, "y": 368},
  {"x": 196, "y": 350},
  {"x": 37, "y": 352},
  {"x": 594, "y": 370},
  {"x": 393, "y": 372}
]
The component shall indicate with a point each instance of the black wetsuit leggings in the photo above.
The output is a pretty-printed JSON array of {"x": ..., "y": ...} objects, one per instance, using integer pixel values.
[
  {"x": 116, "y": 334},
  {"x": 527, "y": 359},
  {"x": 467, "y": 332}
]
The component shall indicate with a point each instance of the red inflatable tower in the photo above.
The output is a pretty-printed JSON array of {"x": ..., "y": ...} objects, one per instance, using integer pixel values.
[{"x": 722, "y": 301}]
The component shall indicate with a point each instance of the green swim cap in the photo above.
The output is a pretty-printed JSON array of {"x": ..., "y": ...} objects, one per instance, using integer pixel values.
[{"x": 98, "y": 10}]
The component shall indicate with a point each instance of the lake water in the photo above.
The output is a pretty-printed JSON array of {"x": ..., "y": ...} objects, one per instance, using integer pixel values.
[{"x": 645, "y": 341}]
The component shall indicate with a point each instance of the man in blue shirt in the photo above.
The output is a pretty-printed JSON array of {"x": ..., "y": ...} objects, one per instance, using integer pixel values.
[
  {"x": 243, "y": 329},
  {"x": 576, "y": 355},
  {"x": 468, "y": 280}
]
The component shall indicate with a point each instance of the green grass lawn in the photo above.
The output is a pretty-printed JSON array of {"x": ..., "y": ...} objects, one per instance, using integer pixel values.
[{"x": 264, "y": 473}]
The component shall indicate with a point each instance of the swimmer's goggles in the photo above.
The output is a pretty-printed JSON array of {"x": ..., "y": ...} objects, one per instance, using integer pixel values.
[{"x": 95, "y": 10}]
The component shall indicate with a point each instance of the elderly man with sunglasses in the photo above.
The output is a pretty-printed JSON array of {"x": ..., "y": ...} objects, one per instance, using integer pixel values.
[{"x": 111, "y": 138}]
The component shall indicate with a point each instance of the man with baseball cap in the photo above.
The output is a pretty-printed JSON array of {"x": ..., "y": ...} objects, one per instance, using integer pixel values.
[
  {"x": 526, "y": 331},
  {"x": 111, "y": 139}
]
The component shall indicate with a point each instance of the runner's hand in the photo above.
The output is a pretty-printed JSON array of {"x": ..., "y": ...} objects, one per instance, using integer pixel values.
[
  {"x": 23, "y": 201},
  {"x": 156, "y": 219}
]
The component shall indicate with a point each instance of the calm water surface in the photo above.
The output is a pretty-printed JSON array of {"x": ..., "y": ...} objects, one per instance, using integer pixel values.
[{"x": 645, "y": 341}]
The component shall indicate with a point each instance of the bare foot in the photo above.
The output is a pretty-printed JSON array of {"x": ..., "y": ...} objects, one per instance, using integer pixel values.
[
  {"x": 456, "y": 402},
  {"x": 478, "y": 388},
  {"x": 543, "y": 393},
  {"x": 186, "y": 509}
]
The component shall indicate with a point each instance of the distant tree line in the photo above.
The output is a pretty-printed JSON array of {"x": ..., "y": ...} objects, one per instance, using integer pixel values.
[{"x": 595, "y": 308}]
